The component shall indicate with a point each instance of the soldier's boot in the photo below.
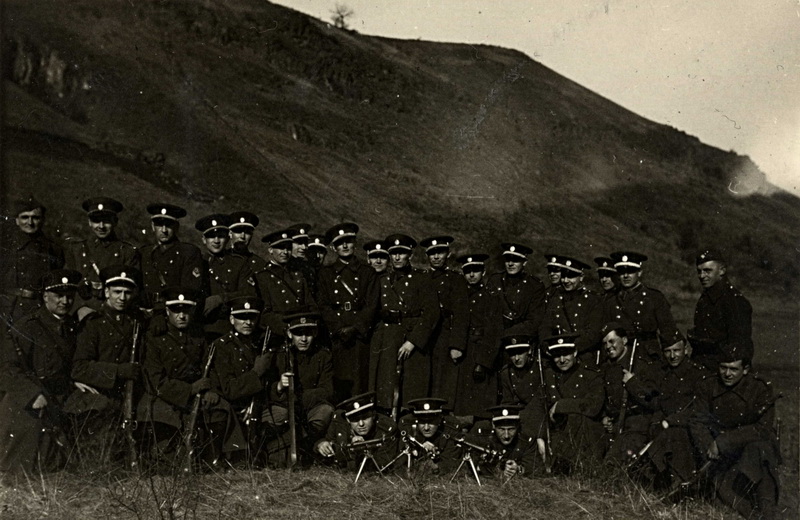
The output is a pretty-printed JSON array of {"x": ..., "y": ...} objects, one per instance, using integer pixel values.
[{"x": 734, "y": 490}]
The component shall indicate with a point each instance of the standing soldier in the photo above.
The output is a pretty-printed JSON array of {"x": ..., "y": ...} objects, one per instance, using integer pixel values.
[
  {"x": 449, "y": 340},
  {"x": 348, "y": 299},
  {"x": 317, "y": 249},
  {"x": 102, "y": 364},
  {"x": 642, "y": 311},
  {"x": 36, "y": 364},
  {"x": 554, "y": 265},
  {"x": 377, "y": 256},
  {"x": 169, "y": 262},
  {"x": 27, "y": 257},
  {"x": 103, "y": 248},
  {"x": 607, "y": 276},
  {"x": 575, "y": 309},
  {"x": 282, "y": 288},
  {"x": 477, "y": 379},
  {"x": 733, "y": 428},
  {"x": 722, "y": 314},
  {"x": 522, "y": 295},
  {"x": 300, "y": 256},
  {"x": 241, "y": 228},
  {"x": 400, "y": 357}
]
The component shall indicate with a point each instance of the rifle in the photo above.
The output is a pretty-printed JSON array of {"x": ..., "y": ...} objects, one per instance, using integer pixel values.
[
  {"x": 547, "y": 453},
  {"x": 188, "y": 434},
  {"x": 128, "y": 422},
  {"x": 291, "y": 403},
  {"x": 249, "y": 412},
  {"x": 396, "y": 394},
  {"x": 623, "y": 410}
]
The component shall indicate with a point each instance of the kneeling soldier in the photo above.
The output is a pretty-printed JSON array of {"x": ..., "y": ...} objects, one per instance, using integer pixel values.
[
  {"x": 428, "y": 435},
  {"x": 516, "y": 451}
]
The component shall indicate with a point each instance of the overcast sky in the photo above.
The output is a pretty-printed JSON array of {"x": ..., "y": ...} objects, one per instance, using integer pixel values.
[{"x": 726, "y": 71}]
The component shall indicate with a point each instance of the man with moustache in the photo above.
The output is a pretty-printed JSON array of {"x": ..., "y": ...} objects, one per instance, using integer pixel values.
[
  {"x": 722, "y": 314},
  {"x": 477, "y": 376},
  {"x": 377, "y": 256},
  {"x": 348, "y": 300},
  {"x": 449, "y": 339},
  {"x": 101, "y": 249},
  {"x": 35, "y": 380},
  {"x": 521, "y": 294},
  {"x": 26, "y": 258},
  {"x": 607, "y": 276},
  {"x": 409, "y": 311}
]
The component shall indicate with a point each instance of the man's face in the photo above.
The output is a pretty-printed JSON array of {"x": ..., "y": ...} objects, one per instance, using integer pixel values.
[
  {"x": 506, "y": 433},
  {"x": 240, "y": 237},
  {"x": 629, "y": 276},
  {"x": 345, "y": 248},
  {"x": 614, "y": 345},
  {"x": 675, "y": 353},
  {"x": 30, "y": 222},
  {"x": 606, "y": 281},
  {"x": 565, "y": 360},
  {"x": 58, "y": 303},
  {"x": 473, "y": 274},
  {"x": 316, "y": 255},
  {"x": 180, "y": 316},
  {"x": 303, "y": 338},
  {"x": 166, "y": 230},
  {"x": 244, "y": 324},
  {"x": 428, "y": 426},
  {"x": 438, "y": 258},
  {"x": 119, "y": 297},
  {"x": 281, "y": 253},
  {"x": 710, "y": 273},
  {"x": 513, "y": 264},
  {"x": 216, "y": 241},
  {"x": 571, "y": 281},
  {"x": 102, "y": 225},
  {"x": 520, "y": 358},
  {"x": 362, "y": 424},
  {"x": 554, "y": 273},
  {"x": 299, "y": 248},
  {"x": 379, "y": 262},
  {"x": 400, "y": 259},
  {"x": 732, "y": 373}
]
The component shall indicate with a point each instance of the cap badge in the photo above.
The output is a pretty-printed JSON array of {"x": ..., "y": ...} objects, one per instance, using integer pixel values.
[
  {"x": 163, "y": 211},
  {"x": 213, "y": 222},
  {"x": 624, "y": 258},
  {"x": 64, "y": 280},
  {"x": 469, "y": 259},
  {"x": 426, "y": 406},
  {"x": 303, "y": 320},
  {"x": 181, "y": 297},
  {"x": 246, "y": 305},
  {"x": 99, "y": 206},
  {"x": 397, "y": 242},
  {"x": 241, "y": 220},
  {"x": 512, "y": 249},
  {"x": 553, "y": 260},
  {"x": 561, "y": 340},
  {"x": 377, "y": 246},
  {"x": 605, "y": 264},
  {"x": 341, "y": 231},
  {"x": 569, "y": 263},
  {"x": 123, "y": 275},
  {"x": 433, "y": 242},
  {"x": 356, "y": 406},
  {"x": 505, "y": 412}
]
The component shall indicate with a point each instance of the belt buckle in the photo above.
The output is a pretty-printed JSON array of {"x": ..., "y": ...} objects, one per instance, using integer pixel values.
[{"x": 348, "y": 306}]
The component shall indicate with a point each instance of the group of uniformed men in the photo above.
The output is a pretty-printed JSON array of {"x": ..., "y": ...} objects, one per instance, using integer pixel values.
[{"x": 228, "y": 358}]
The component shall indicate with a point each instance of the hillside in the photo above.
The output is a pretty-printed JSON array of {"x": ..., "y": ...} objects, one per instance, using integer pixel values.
[{"x": 244, "y": 104}]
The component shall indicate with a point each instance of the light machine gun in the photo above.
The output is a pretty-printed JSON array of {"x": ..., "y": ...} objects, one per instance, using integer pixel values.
[
  {"x": 412, "y": 448},
  {"x": 485, "y": 455}
]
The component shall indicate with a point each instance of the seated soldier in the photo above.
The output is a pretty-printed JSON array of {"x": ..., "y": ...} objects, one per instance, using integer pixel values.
[
  {"x": 357, "y": 430},
  {"x": 512, "y": 452},
  {"x": 35, "y": 364},
  {"x": 176, "y": 367},
  {"x": 520, "y": 381},
  {"x": 239, "y": 369},
  {"x": 733, "y": 427},
  {"x": 307, "y": 367},
  {"x": 427, "y": 433}
]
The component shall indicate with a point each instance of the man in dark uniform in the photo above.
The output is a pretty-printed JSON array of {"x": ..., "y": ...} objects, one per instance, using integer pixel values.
[
  {"x": 241, "y": 228},
  {"x": 239, "y": 375},
  {"x": 282, "y": 288},
  {"x": 103, "y": 248},
  {"x": 102, "y": 363},
  {"x": 733, "y": 428},
  {"x": 25, "y": 259},
  {"x": 36, "y": 359},
  {"x": 356, "y": 421},
  {"x": 317, "y": 249},
  {"x": 348, "y": 298},
  {"x": 643, "y": 311},
  {"x": 400, "y": 354},
  {"x": 520, "y": 382},
  {"x": 477, "y": 377},
  {"x": 427, "y": 433},
  {"x": 377, "y": 256},
  {"x": 722, "y": 314},
  {"x": 225, "y": 275},
  {"x": 311, "y": 371},
  {"x": 522, "y": 294},
  {"x": 607, "y": 276},
  {"x": 449, "y": 339},
  {"x": 575, "y": 309},
  {"x": 554, "y": 265},
  {"x": 300, "y": 258},
  {"x": 573, "y": 400},
  {"x": 515, "y": 449},
  {"x": 169, "y": 262}
]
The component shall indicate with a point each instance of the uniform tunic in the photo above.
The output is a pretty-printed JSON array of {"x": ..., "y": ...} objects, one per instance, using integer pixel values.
[
  {"x": 523, "y": 386},
  {"x": 348, "y": 295},
  {"x": 483, "y": 348},
  {"x": 340, "y": 435},
  {"x": 450, "y": 333},
  {"x": 313, "y": 385},
  {"x": 522, "y": 297},
  {"x": 522, "y": 450},
  {"x": 722, "y": 315},
  {"x": 283, "y": 290},
  {"x": 224, "y": 277},
  {"x": 178, "y": 264},
  {"x": 36, "y": 360},
  {"x": 580, "y": 312},
  {"x": 232, "y": 370},
  {"x": 252, "y": 262},
  {"x": 90, "y": 255},
  {"x": 645, "y": 314},
  {"x": 409, "y": 311}
]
